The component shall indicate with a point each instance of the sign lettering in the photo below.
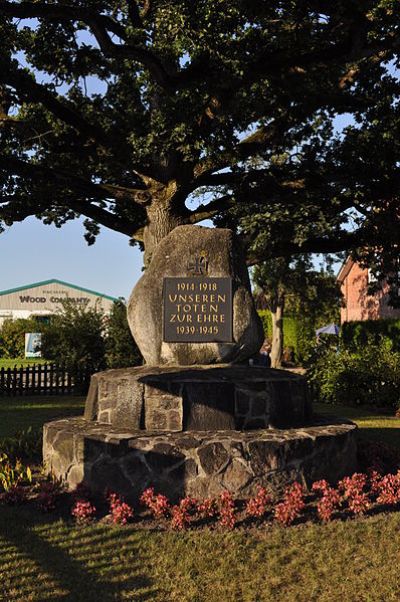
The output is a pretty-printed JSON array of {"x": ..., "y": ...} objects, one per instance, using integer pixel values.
[{"x": 197, "y": 310}]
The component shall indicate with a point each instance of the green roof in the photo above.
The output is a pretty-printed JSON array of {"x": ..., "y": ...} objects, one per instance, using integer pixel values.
[{"x": 56, "y": 281}]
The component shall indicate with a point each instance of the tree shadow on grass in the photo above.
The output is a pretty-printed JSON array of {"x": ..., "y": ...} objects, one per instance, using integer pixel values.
[
  {"x": 388, "y": 436},
  {"x": 38, "y": 566}
]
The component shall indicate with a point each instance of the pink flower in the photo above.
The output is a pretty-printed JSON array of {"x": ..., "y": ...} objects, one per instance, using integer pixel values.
[
  {"x": 83, "y": 511},
  {"x": 291, "y": 506},
  {"x": 158, "y": 504},
  {"x": 120, "y": 511},
  {"x": 257, "y": 506}
]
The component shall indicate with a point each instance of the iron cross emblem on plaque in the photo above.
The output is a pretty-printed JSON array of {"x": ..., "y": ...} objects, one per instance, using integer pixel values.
[{"x": 199, "y": 266}]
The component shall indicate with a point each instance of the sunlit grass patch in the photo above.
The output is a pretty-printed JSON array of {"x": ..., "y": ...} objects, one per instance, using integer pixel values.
[
  {"x": 372, "y": 426},
  {"x": 351, "y": 560}
]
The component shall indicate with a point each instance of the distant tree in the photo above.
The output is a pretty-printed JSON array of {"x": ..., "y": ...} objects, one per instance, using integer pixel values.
[
  {"x": 121, "y": 349},
  {"x": 12, "y": 336},
  {"x": 294, "y": 286},
  {"x": 74, "y": 336}
]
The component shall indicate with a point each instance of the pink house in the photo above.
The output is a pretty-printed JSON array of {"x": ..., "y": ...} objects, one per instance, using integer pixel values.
[{"x": 358, "y": 303}]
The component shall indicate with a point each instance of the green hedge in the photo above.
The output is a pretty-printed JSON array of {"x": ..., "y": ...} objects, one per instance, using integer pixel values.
[
  {"x": 369, "y": 374},
  {"x": 297, "y": 333},
  {"x": 357, "y": 333}
]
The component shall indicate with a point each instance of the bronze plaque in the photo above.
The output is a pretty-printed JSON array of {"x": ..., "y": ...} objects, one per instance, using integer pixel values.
[{"x": 197, "y": 310}]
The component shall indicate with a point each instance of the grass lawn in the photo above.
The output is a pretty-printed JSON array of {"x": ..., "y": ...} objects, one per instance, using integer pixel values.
[
  {"x": 372, "y": 426},
  {"x": 45, "y": 558},
  {"x": 20, "y": 362},
  {"x": 18, "y": 413}
]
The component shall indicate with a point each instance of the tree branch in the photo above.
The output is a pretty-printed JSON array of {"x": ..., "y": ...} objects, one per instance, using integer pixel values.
[
  {"x": 100, "y": 26},
  {"x": 211, "y": 209},
  {"x": 73, "y": 181},
  {"x": 90, "y": 210},
  {"x": 341, "y": 242},
  {"x": 30, "y": 91},
  {"x": 263, "y": 176}
]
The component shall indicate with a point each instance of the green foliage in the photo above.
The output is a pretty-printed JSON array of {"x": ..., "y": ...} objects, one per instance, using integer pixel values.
[
  {"x": 369, "y": 374},
  {"x": 306, "y": 298},
  {"x": 24, "y": 445},
  {"x": 75, "y": 337},
  {"x": 356, "y": 333},
  {"x": 12, "y": 473},
  {"x": 12, "y": 336},
  {"x": 265, "y": 316},
  {"x": 235, "y": 100},
  {"x": 298, "y": 334},
  {"x": 121, "y": 349}
]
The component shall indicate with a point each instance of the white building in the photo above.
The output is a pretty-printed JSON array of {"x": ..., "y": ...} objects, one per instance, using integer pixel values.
[{"x": 42, "y": 299}]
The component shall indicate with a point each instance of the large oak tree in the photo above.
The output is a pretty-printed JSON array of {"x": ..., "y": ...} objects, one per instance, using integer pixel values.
[{"x": 222, "y": 109}]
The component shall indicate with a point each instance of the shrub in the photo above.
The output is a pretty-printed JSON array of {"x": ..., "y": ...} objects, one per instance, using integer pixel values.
[
  {"x": 158, "y": 504},
  {"x": 298, "y": 333},
  {"x": 120, "y": 511},
  {"x": 357, "y": 333},
  {"x": 25, "y": 444},
  {"x": 256, "y": 507},
  {"x": 226, "y": 508},
  {"x": 75, "y": 335},
  {"x": 13, "y": 474},
  {"x": 121, "y": 349},
  {"x": 83, "y": 512},
  {"x": 329, "y": 501},
  {"x": 354, "y": 492},
  {"x": 291, "y": 506},
  {"x": 369, "y": 374}
]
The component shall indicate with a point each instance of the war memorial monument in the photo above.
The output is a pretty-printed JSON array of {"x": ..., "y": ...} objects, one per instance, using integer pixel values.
[{"x": 196, "y": 418}]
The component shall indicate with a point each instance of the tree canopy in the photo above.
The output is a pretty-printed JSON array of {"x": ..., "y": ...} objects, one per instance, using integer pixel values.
[{"x": 210, "y": 109}]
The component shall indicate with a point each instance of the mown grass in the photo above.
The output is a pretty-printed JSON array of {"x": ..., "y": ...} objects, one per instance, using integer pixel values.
[
  {"x": 21, "y": 362},
  {"x": 19, "y": 413},
  {"x": 372, "y": 426},
  {"x": 45, "y": 560}
]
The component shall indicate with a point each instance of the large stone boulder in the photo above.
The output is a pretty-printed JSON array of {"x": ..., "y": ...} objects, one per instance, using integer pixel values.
[{"x": 175, "y": 257}]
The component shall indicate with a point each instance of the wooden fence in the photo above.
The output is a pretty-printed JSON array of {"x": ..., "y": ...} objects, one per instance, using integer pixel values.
[{"x": 43, "y": 379}]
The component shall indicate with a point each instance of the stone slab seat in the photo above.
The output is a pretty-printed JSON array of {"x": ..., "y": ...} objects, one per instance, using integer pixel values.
[
  {"x": 197, "y": 463},
  {"x": 208, "y": 397}
]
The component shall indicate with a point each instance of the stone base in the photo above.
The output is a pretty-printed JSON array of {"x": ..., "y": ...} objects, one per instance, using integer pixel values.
[
  {"x": 201, "y": 398},
  {"x": 201, "y": 464}
]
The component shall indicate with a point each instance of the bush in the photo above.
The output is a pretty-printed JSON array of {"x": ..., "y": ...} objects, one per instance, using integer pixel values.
[
  {"x": 12, "y": 336},
  {"x": 25, "y": 445},
  {"x": 355, "y": 334},
  {"x": 369, "y": 374},
  {"x": 121, "y": 349},
  {"x": 75, "y": 337}
]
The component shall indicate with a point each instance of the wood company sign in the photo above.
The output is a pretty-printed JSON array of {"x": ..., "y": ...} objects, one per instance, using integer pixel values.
[
  {"x": 197, "y": 310},
  {"x": 49, "y": 295}
]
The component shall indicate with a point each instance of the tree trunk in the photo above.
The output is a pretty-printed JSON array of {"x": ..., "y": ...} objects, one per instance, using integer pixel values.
[
  {"x": 277, "y": 332},
  {"x": 162, "y": 218}
]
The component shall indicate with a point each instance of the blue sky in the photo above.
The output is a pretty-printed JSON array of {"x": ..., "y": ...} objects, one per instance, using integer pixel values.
[{"x": 31, "y": 251}]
